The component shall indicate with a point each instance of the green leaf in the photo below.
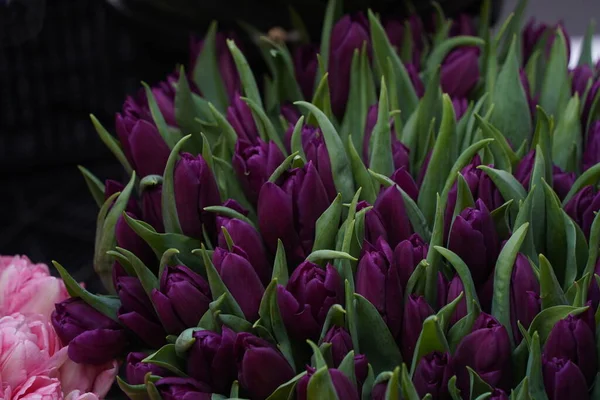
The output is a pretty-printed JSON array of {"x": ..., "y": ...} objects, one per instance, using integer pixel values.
[
  {"x": 478, "y": 386},
  {"x": 511, "y": 29},
  {"x": 571, "y": 268},
  {"x": 374, "y": 337},
  {"x": 280, "y": 268},
  {"x": 431, "y": 339},
  {"x": 502, "y": 275},
  {"x": 186, "y": 112},
  {"x": 284, "y": 166},
  {"x": 148, "y": 280},
  {"x": 556, "y": 238},
  {"x": 346, "y": 367},
  {"x": 525, "y": 216},
  {"x": 317, "y": 357},
  {"x": 225, "y": 128},
  {"x": 340, "y": 166},
  {"x": 94, "y": 184},
  {"x": 546, "y": 319},
  {"x": 429, "y": 109},
  {"x": 112, "y": 144},
  {"x": 321, "y": 99},
  {"x": 361, "y": 175},
  {"x": 167, "y": 358},
  {"x": 408, "y": 389},
  {"x": 463, "y": 327},
  {"x": 246, "y": 77},
  {"x": 534, "y": 369},
  {"x": 507, "y": 184},
  {"x": 504, "y": 156},
  {"x": 352, "y": 324},
  {"x": 392, "y": 391},
  {"x": 589, "y": 177},
  {"x": 454, "y": 392},
  {"x": 336, "y": 316},
  {"x": 434, "y": 260},
  {"x": 471, "y": 131},
  {"x": 282, "y": 70},
  {"x": 585, "y": 57},
  {"x": 446, "y": 312},
  {"x": 133, "y": 392},
  {"x": 233, "y": 189},
  {"x": 237, "y": 324},
  {"x": 380, "y": 158},
  {"x": 327, "y": 226},
  {"x": 594, "y": 243},
  {"x": 464, "y": 274},
  {"x": 543, "y": 138},
  {"x": 286, "y": 390},
  {"x": 551, "y": 293},
  {"x": 322, "y": 255},
  {"x": 159, "y": 120},
  {"x": 538, "y": 210},
  {"x": 169, "y": 208},
  {"x": 296, "y": 142},
  {"x": 464, "y": 197},
  {"x": 264, "y": 124},
  {"x": 556, "y": 77},
  {"x": 230, "y": 213},
  {"x": 279, "y": 331},
  {"x": 567, "y": 134},
  {"x": 332, "y": 13},
  {"x": 320, "y": 386},
  {"x": 501, "y": 219}
]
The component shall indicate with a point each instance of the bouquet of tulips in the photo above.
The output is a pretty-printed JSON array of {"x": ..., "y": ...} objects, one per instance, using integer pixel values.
[{"x": 403, "y": 210}]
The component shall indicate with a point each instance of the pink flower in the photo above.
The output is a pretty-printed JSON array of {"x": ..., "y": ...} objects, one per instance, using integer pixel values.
[
  {"x": 36, "y": 388},
  {"x": 28, "y": 288},
  {"x": 87, "y": 378},
  {"x": 77, "y": 395}
]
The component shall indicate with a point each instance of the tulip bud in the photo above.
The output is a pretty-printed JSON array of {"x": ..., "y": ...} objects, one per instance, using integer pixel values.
[
  {"x": 588, "y": 102},
  {"x": 432, "y": 375},
  {"x": 527, "y": 88},
  {"x": 308, "y": 296},
  {"x": 404, "y": 180},
  {"x": 594, "y": 289},
  {"x": 143, "y": 146},
  {"x": 289, "y": 211},
  {"x": 361, "y": 370},
  {"x": 341, "y": 343},
  {"x": 378, "y": 280},
  {"x": 580, "y": 76},
  {"x": 524, "y": 295},
  {"x": 195, "y": 188},
  {"x": 164, "y": 94},
  {"x": 241, "y": 279},
  {"x": 460, "y": 105},
  {"x": 399, "y": 150},
  {"x": 531, "y": 35},
  {"x": 390, "y": 206},
  {"x": 582, "y": 206},
  {"x": 129, "y": 240},
  {"x": 563, "y": 380},
  {"x": 460, "y": 71},
  {"x": 454, "y": 290},
  {"x": 240, "y": 117},
  {"x": 261, "y": 367},
  {"x": 343, "y": 387},
  {"x": 136, "y": 370},
  {"x": 348, "y": 34},
  {"x": 137, "y": 312},
  {"x": 562, "y": 181},
  {"x": 463, "y": 25},
  {"x": 415, "y": 79},
  {"x": 474, "y": 239},
  {"x": 379, "y": 390},
  {"x": 305, "y": 67},
  {"x": 152, "y": 207},
  {"x": 408, "y": 254},
  {"x": 572, "y": 339},
  {"x": 498, "y": 394},
  {"x": 394, "y": 29},
  {"x": 487, "y": 351},
  {"x": 289, "y": 112},
  {"x": 111, "y": 187},
  {"x": 181, "y": 299},
  {"x": 591, "y": 154},
  {"x": 254, "y": 164},
  {"x": 176, "y": 388},
  {"x": 416, "y": 310},
  {"x": 92, "y": 337},
  {"x": 211, "y": 359}
]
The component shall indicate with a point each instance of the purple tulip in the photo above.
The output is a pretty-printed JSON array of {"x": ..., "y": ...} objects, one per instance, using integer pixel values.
[
  {"x": 564, "y": 380},
  {"x": 432, "y": 375},
  {"x": 315, "y": 150},
  {"x": 137, "y": 312},
  {"x": 524, "y": 295},
  {"x": 591, "y": 154},
  {"x": 580, "y": 77},
  {"x": 403, "y": 179},
  {"x": 254, "y": 164},
  {"x": 289, "y": 210},
  {"x": 361, "y": 370},
  {"x": 379, "y": 390},
  {"x": 390, "y": 206},
  {"x": 487, "y": 351},
  {"x": 415, "y": 79},
  {"x": 261, "y": 367},
  {"x": 498, "y": 394},
  {"x": 460, "y": 104},
  {"x": 176, "y": 388},
  {"x": 211, "y": 359},
  {"x": 195, "y": 188},
  {"x": 594, "y": 289},
  {"x": 305, "y": 67},
  {"x": 227, "y": 67},
  {"x": 111, "y": 187},
  {"x": 535, "y": 32},
  {"x": 474, "y": 239},
  {"x": 129, "y": 240},
  {"x": 378, "y": 280},
  {"x": 589, "y": 100},
  {"x": 460, "y": 71},
  {"x": 408, "y": 254},
  {"x": 289, "y": 112},
  {"x": 527, "y": 88},
  {"x": 93, "y": 338},
  {"x": 241, "y": 279},
  {"x": 152, "y": 207},
  {"x": 240, "y": 117},
  {"x": 562, "y": 181},
  {"x": 181, "y": 299},
  {"x": 573, "y": 339},
  {"x": 416, "y": 310},
  {"x": 143, "y": 146},
  {"x": 136, "y": 370},
  {"x": 341, "y": 343},
  {"x": 399, "y": 150},
  {"x": 343, "y": 387},
  {"x": 374, "y": 228},
  {"x": 164, "y": 94},
  {"x": 582, "y": 207},
  {"x": 394, "y": 29},
  {"x": 347, "y": 35},
  {"x": 307, "y": 297},
  {"x": 463, "y": 25},
  {"x": 454, "y": 290},
  {"x": 424, "y": 167}
]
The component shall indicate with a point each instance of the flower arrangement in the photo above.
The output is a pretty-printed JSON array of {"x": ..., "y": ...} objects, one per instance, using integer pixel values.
[{"x": 407, "y": 209}]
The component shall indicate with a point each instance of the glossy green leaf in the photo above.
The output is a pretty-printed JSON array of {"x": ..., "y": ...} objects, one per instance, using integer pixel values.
[
  {"x": 477, "y": 386},
  {"x": 431, "y": 339},
  {"x": 95, "y": 186},
  {"x": 280, "y": 268},
  {"x": 246, "y": 76},
  {"x": 585, "y": 57},
  {"x": 148, "y": 280},
  {"x": 133, "y": 392},
  {"x": 381, "y": 159},
  {"x": 392, "y": 391},
  {"x": 534, "y": 369},
  {"x": 589, "y": 177},
  {"x": 556, "y": 77},
  {"x": 327, "y": 226},
  {"x": 446, "y": 312},
  {"x": 454, "y": 392},
  {"x": 556, "y": 238},
  {"x": 566, "y": 135},
  {"x": 169, "y": 208},
  {"x": 323, "y": 255},
  {"x": 320, "y": 386},
  {"x": 286, "y": 390},
  {"x": 167, "y": 358},
  {"x": 507, "y": 184},
  {"x": 112, "y": 144},
  {"x": 464, "y": 197},
  {"x": 464, "y": 274},
  {"x": 463, "y": 327},
  {"x": 501, "y": 219},
  {"x": 551, "y": 293}
]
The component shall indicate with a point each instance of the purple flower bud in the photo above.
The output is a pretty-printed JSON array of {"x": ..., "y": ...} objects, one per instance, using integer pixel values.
[
  {"x": 487, "y": 351},
  {"x": 563, "y": 380},
  {"x": 498, "y": 394},
  {"x": 378, "y": 280},
  {"x": 211, "y": 359},
  {"x": 341, "y": 343},
  {"x": 261, "y": 367},
  {"x": 572, "y": 339},
  {"x": 474, "y": 239},
  {"x": 241, "y": 279},
  {"x": 305, "y": 66},
  {"x": 399, "y": 150},
  {"x": 227, "y": 68},
  {"x": 93, "y": 338},
  {"x": 403, "y": 179},
  {"x": 589, "y": 100},
  {"x": 454, "y": 290},
  {"x": 531, "y": 35},
  {"x": 137, "y": 312},
  {"x": 308, "y": 296},
  {"x": 460, "y": 104},
  {"x": 594, "y": 289},
  {"x": 143, "y": 146},
  {"x": 129, "y": 240},
  {"x": 289, "y": 112},
  {"x": 460, "y": 71},
  {"x": 240, "y": 117},
  {"x": 175, "y": 388},
  {"x": 394, "y": 29},
  {"x": 524, "y": 295},
  {"x": 182, "y": 298},
  {"x": 416, "y": 310},
  {"x": 361, "y": 370},
  {"x": 195, "y": 188},
  {"x": 390, "y": 206},
  {"x": 136, "y": 370},
  {"x": 582, "y": 206},
  {"x": 374, "y": 228},
  {"x": 415, "y": 79},
  {"x": 463, "y": 25},
  {"x": 164, "y": 94},
  {"x": 343, "y": 387},
  {"x": 527, "y": 88},
  {"x": 432, "y": 375},
  {"x": 408, "y": 254},
  {"x": 580, "y": 77},
  {"x": 111, "y": 187},
  {"x": 591, "y": 154},
  {"x": 289, "y": 211},
  {"x": 562, "y": 181},
  {"x": 348, "y": 34},
  {"x": 254, "y": 164},
  {"x": 152, "y": 207},
  {"x": 424, "y": 167},
  {"x": 378, "y": 391}
]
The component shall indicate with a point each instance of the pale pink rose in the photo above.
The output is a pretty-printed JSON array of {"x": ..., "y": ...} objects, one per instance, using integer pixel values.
[
  {"x": 88, "y": 378},
  {"x": 28, "y": 347},
  {"x": 28, "y": 288},
  {"x": 77, "y": 395},
  {"x": 37, "y": 388}
]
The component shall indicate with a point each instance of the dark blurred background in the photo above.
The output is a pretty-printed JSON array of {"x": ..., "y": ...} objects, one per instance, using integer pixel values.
[{"x": 61, "y": 60}]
